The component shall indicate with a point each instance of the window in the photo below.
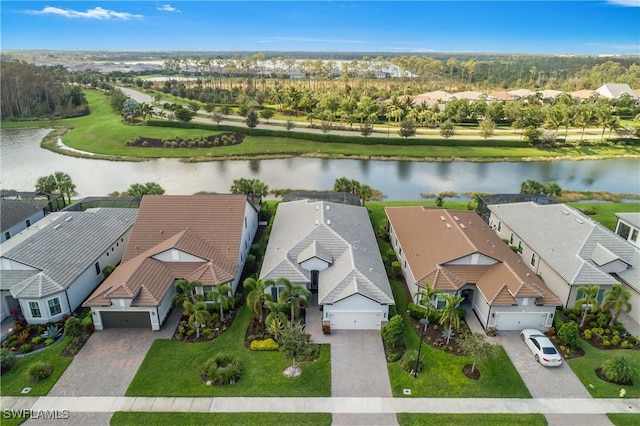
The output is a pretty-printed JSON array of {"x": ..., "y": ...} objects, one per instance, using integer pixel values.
[
  {"x": 54, "y": 306},
  {"x": 206, "y": 289},
  {"x": 599, "y": 297},
  {"x": 440, "y": 302},
  {"x": 520, "y": 247},
  {"x": 35, "y": 309},
  {"x": 28, "y": 222},
  {"x": 533, "y": 259},
  {"x": 499, "y": 226},
  {"x": 112, "y": 249},
  {"x": 245, "y": 221},
  {"x": 623, "y": 230},
  {"x": 97, "y": 265},
  {"x": 634, "y": 236},
  {"x": 511, "y": 239},
  {"x": 7, "y": 235},
  {"x": 107, "y": 254}
]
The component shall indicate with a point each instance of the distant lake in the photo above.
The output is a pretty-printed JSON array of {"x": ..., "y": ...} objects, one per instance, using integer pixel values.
[{"x": 22, "y": 161}]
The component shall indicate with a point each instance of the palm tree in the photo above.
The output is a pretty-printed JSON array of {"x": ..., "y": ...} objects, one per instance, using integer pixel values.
[
  {"x": 294, "y": 295},
  {"x": 449, "y": 314},
  {"x": 198, "y": 315},
  {"x": 276, "y": 320},
  {"x": 589, "y": 300},
  {"x": 220, "y": 295},
  {"x": 425, "y": 297},
  {"x": 65, "y": 185},
  {"x": 257, "y": 297},
  {"x": 186, "y": 292},
  {"x": 46, "y": 184},
  {"x": 618, "y": 299}
]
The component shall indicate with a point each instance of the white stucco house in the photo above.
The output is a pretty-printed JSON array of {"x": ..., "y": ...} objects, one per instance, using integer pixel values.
[
  {"x": 204, "y": 238},
  {"x": 50, "y": 268},
  {"x": 331, "y": 249},
  {"x": 455, "y": 252},
  {"x": 17, "y": 216},
  {"x": 568, "y": 249},
  {"x": 628, "y": 227},
  {"x": 616, "y": 90}
]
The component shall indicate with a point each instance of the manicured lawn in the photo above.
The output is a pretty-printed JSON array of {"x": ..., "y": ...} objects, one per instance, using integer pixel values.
[
  {"x": 584, "y": 367},
  {"x": 605, "y": 212},
  {"x": 427, "y": 419},
  {"x": 197, "y": 419},
  {"x": 172, "y": 368},
  {"x": 621, "y": 419},
  {"x": 17, "y": 378},
  {"x": 443, "y": 376}
]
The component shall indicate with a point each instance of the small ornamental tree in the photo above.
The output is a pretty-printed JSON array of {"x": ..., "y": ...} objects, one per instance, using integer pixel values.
[
  {"x": 266, "y": 114},
  {"x": 407, "y": 128},
  {"x": 476, "y": 347},
  {"x": 293, "y": 341},
  {"x": 487, "y": 127},
  {"x": 447, "y": 129},
  {"x": 569, "y": 333},
  {"x": 366, "y": 129},
  {"x": 252, "y": 119},
  {"x": 393, "y": 332},
  {"x": 72, "y": 327},
  {"x": 289, "y": 125},
  {"x": 533, "y": 135}
]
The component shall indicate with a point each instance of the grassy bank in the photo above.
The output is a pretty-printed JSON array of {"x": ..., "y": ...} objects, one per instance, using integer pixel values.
[
  {"x": 197, "y": 419},
  {"x": 102, "y": 132}
]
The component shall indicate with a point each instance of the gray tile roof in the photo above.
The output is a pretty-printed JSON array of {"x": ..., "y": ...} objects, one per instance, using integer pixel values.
[
  {"x": 9, "y": 278},
  {"x": 12, "y": 212},
  {"x": 568, "y": 241},
  {"x": 615, "y": 90},
  {"x": 338, "y": 233},
  {"x": 631, "y": 218},
  {"x": 65, "y": 248}
]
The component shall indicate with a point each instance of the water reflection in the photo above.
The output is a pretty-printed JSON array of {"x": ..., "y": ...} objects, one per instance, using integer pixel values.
[{"x": 23, "y": 161}]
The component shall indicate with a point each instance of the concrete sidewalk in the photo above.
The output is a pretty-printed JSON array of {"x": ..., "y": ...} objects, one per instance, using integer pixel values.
[{"x": 102, "y": 404}]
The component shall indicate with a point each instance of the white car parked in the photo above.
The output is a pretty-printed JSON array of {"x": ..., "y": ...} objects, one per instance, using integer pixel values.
[{"x": 543, "y": 350}]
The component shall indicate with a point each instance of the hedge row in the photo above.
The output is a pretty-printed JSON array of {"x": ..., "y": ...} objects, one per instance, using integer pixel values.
[{"x": 360, "y": 140}]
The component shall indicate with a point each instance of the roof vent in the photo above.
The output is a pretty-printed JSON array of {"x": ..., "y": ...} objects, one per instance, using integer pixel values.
[
  {"x": 456, "y": 218},
  {"x": 564, "y": 212},
  {"x": 528, "y": 274},
  {"x": 317, "y": 222},
  {"x": 448, "y": 226},
  {"x": 57, "y": 226},
  {"x": 328, "y": 207},
  {"x": 578, "y": 220},
  {"x": 462, "y": 226},
  {"x": 161, "y": 232},
  {"x": 329, "y": 222},
  {"x": 68, "y": 219},
  {"x": 442, "y": 218},
  {"x": 317, "y": 207}
]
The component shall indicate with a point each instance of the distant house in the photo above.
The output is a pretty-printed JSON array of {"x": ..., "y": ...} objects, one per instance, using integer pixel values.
[
  {"x": 616, "y": 90},
  {"x": 484, "y": 201},
  {"x": 521, "y": 93},
  {"x": 455, "y": 252},
  {"x": 472, "y": 96},
  {"x": 203, "y": 238},
  {"x": 551, "y": 94},
  {"x": 51, "y": 268},
  {"x": 584, "y": 95},
  {"x": 16, "y": 216},
  {"x": 503, "y": 96},
  {"x": 628, "y": 227},
  {"x": 331, "y": 249},
  {"x": 568, "y": 249}
]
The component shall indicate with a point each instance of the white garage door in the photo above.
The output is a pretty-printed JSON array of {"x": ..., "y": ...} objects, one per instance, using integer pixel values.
[
  {"x": 355, "y": 320},
  {"x": 520, "y": 321}
]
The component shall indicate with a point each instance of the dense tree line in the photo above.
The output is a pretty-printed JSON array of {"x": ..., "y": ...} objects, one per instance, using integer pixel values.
[{"x": 28, "y": 91}]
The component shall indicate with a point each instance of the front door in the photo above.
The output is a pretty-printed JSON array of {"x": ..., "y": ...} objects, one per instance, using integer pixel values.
[{"x": 314, "y": 280}]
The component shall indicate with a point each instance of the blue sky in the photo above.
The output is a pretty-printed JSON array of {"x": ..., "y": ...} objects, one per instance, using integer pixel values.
[{"x": 572, "y": 27}]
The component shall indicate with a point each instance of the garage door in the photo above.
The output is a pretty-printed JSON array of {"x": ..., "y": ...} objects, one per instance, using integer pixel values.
[
  {"x": 355, "y": 320},
  {"x": 125, "y": 319},
  {"x": 520, "y": 321}
]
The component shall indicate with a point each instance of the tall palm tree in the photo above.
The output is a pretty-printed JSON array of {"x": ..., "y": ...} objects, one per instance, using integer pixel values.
[
  {"x": 186, "y": 292},
  {"x": 294, "y": 295},
  {"x": 198, "y": 315},
  {"x": 221, "y": 296},
  {"x": 256, "y": 297},
  {"x": 46, "y": 184},
  {"x": 589, "y": 300},
  {"x": 449, "y": 314},
  {"x": 65, "y": 185},
  {"x": 618, "y": 299},
  {"x": 425, "y": 298}
]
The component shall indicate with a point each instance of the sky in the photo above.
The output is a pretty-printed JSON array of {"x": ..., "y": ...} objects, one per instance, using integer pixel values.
[{"x": 545, "y": 27}]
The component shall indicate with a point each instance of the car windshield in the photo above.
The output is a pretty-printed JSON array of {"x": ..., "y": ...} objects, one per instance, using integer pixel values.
[{"x": 549, "y": 351}]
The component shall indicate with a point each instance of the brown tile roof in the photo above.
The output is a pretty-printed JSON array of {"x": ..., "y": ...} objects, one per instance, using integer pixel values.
[
  {"x": 432, "y": 239},
  {"x": 208, "y": 227}
]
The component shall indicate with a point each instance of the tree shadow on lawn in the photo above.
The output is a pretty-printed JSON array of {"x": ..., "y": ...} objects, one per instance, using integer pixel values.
[{"x": 173, "y": 368}]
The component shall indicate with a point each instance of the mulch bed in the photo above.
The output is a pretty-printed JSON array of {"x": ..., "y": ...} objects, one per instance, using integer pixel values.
[
  {"x": 216, "y": 329},
  {"x": 433, "y": 337},
  {"x": 602, "y": 377},
  {"x": 473, "y": 375},
  {"x": 596, "y": 341},
  {"x": 77, "y": 343},
  {"x": 230, "y": 138}
]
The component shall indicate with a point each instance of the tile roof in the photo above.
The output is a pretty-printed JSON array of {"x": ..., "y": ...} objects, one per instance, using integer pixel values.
[
  {"x": 13, "y": 212},
  {"x": 567, "y": 240},
  {"x": 66, "y": 247},
  {"x": 339, "y": 234},
  {"x": 207, "y": 227},
  {"x": 616, "y": 90},
  {"x": 434, "y": 241}
]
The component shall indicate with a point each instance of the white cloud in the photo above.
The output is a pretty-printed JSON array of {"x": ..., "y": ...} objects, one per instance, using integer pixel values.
[
  {"x": 626, "y": 3},
  {"x": 309, "y": 40},
  {"x": 168, "y": 8},
  {"x": 95, "y": 13}
]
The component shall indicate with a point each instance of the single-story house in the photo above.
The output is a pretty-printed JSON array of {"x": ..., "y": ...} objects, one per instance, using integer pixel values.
[
  {"x": 204, "y": 238},
  {"x": 49, "y": 269},
  {"x": 568, "y": 249},
  {"x": 628, "y": 227},
  {"x": 17, "y": 216},
  {"x": 616, "y": 90},
  {"x": 455, "y": 252},
  {"x": 331, "y": 249}
]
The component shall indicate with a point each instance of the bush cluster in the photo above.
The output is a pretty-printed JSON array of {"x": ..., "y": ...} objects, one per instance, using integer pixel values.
[
  {"x": 222, "y": 370},
  {"x": 7, "y": 360},
  {"x": 264, "y": 345},
  {"x": 39, "y": 370}
]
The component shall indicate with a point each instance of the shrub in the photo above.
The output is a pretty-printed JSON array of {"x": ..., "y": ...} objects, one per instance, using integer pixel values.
[
  {"x": 569, "y": 333},
  {"x": 615, "y": 340},
  {"x": 49, "y": 341},
  {"x": 72, "y": 327},
  {"x": 264, "y": 345},
  {"x": 310, "y": 352},
  {"x": 39, "y": 370},
  {"x": 37, "y": 340},
  {"x": 587, "y": 334},
  {"x": 624, "y": 344},
  {"x": 619, "y": 369},
  {"x": 206, "y": 333},
  {"x": 395, "y": 268},
  {"x": 24, "y": 348},
  {"x": 87, "y": 321},
  {"x": 409, "y": 363},
  {"x": 606, "y": 343},
  {"x": 393, "y": 332},
  {"x": 416, "y": 311},
  {"x": 222, "y": 370},
  {"x": 394, "y": 355},
  {"x": 7, "y": 360}
]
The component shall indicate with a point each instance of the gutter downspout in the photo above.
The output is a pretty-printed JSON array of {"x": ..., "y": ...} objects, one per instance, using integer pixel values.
[
  {"x": 489, "y": 316},
  {"x": 68, "y": 302}
]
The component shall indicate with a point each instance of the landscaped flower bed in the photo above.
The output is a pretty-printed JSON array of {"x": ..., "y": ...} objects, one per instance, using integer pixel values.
[
  {"x": 188, "y": 334},
  {"x": 222, "y": 139},
  {"x": 598, "y": 333}
]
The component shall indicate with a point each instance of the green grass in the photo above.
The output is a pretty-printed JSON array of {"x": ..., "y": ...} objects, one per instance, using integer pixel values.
[
  {"x": 605, "y": 212},
  {"x": 102, "y": 132},
  {"x": 584, "y": 367},
  {"x": 196, "y": 419},
  {"x": 443, "y": 376},
  {"x": 624, "y": 419},
  {"x": 172, "y": 368},
  {"x": 17, "y": 378},
  {"x": 427, "y": 419}
]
